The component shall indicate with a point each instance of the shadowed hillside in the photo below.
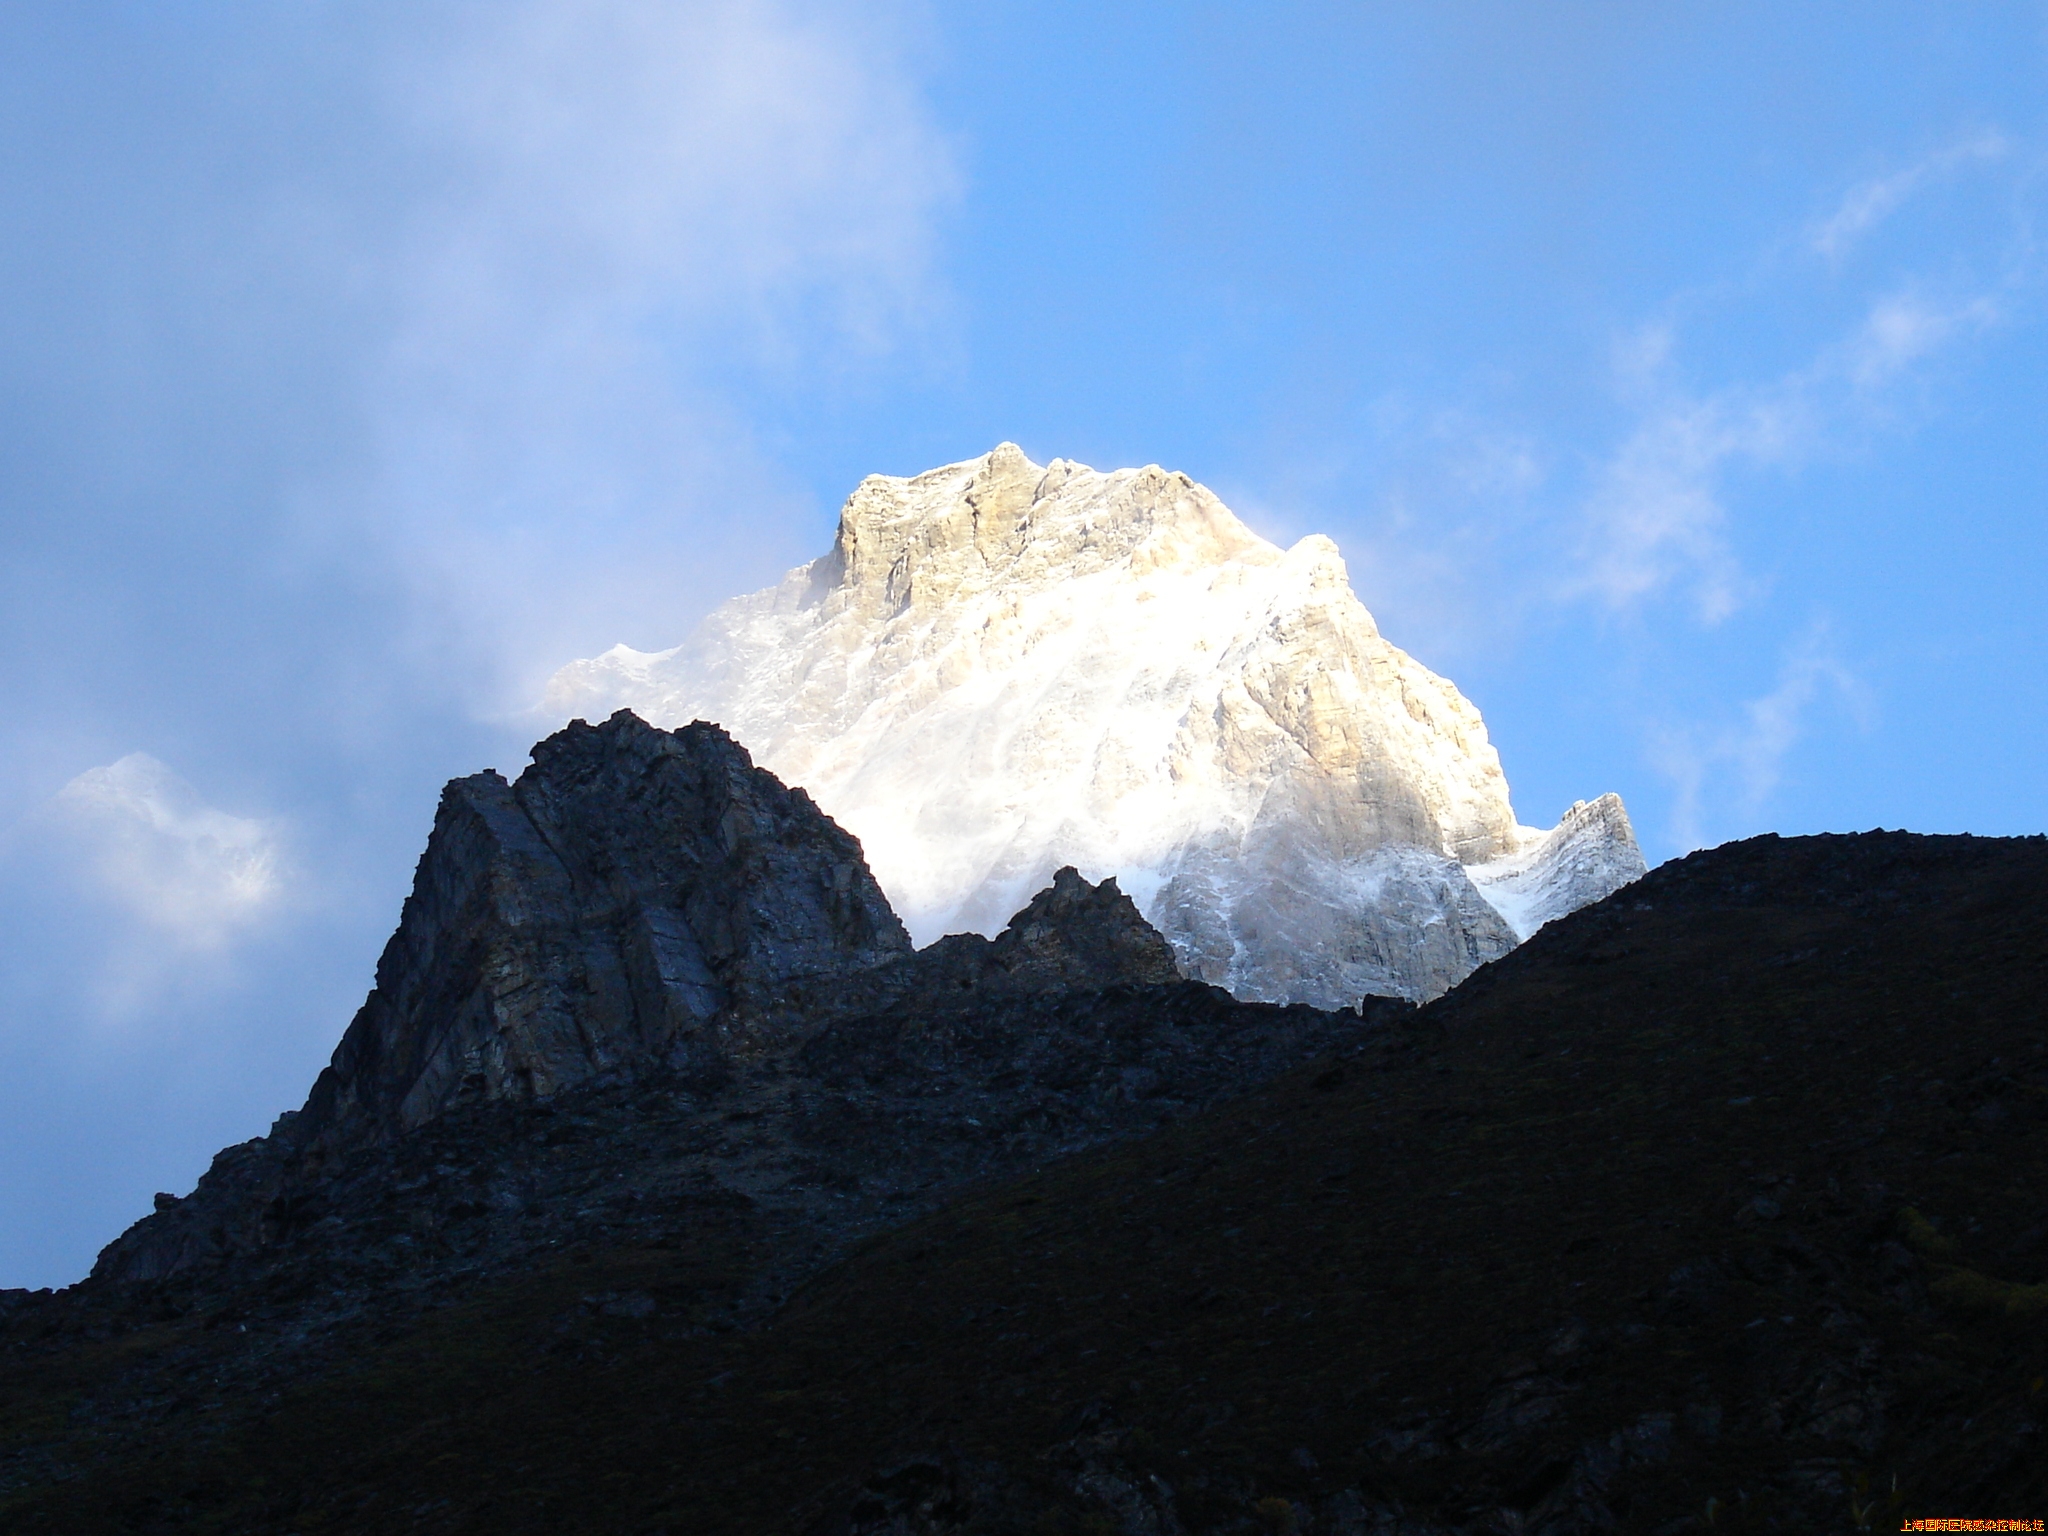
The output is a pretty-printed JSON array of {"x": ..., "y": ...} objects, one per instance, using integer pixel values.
[{"x": 1721, "y": 1205}]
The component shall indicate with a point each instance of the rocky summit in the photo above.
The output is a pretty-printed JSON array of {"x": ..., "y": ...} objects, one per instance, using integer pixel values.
[
  {"x": 1001, "y": 668},
  {"x": 637, "y": 895}
]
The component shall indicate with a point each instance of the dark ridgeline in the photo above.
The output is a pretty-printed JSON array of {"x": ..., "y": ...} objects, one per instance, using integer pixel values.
[
  {"x": 639, "y": 898},
  {"x": 660, "y": 1186},
  {"x": 651, "y": 930}
]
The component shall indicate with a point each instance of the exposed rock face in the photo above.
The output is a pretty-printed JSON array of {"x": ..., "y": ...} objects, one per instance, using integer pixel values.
[
  {"x": 1000, "y": 669},
  {"x": 1072, "y": 937},
  {"x": 634, "y": 886},
  {"x": 652, "y": 930},
  {"x": 1590, "y": 852}
]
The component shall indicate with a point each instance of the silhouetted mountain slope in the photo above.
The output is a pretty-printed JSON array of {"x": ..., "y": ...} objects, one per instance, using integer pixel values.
[
  {"x": 1720, "y": 1205},
  {"x": 641, "y": 905},
  {"x": 647, "y": 996}
]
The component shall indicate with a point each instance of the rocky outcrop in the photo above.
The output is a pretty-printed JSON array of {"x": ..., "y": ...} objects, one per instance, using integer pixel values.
[
  {"x": 1072, "y": 937},
  {"x": 632, "y": 888},
  {"x": 639, "y": 898},
  {"x": 647, "y": 926},
  {"x": 1000, "y": 669},
  {"x": 1590, "y": 852},
  {"x": 1277, "y": 914}
]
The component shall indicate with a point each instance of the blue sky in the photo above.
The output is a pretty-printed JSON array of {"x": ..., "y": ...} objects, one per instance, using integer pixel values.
[{"x": 1673, "y": 378}]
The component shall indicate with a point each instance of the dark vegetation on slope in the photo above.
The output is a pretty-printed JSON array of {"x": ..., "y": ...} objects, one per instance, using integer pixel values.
[{"x": 1720, "y": 1206}]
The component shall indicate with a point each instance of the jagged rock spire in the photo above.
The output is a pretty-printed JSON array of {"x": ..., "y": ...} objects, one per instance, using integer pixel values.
[{"x": 634, "y": 887}]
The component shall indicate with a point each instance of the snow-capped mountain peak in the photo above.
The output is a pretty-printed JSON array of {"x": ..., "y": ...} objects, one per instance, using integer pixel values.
[{"x": 1000, "y": 669}]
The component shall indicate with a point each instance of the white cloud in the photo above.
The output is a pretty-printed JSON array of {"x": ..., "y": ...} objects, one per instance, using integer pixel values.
[
  {"x": 1902, "y": 329},
  {"x": 1774, "y": 723},
  {"x": 1641, "y": 356},
  {"x": 1655, "y": 517},
  {"x": 1870, "y": 203},
  {"x": 195, "y": 874},
  {"x": 638, "y": 205},
  {"x": 1741, "y": 764},
  {"x": 621, "y": 163}
]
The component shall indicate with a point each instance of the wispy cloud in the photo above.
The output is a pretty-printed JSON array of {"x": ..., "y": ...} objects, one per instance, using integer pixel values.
[
  {"x": 625, "y": 218},
  {"x": 1905, "y": 328},
  {"x": 383, "y": 353},
  {"x": 1655, "y": 518},
  {"x": 197, "y": 876},
  {"x": 1870, "y": 203},
  {"x": 624, "y": 165},
  {"x": 1454, "y": 495},
  {"x": 1734, "y": 769}
]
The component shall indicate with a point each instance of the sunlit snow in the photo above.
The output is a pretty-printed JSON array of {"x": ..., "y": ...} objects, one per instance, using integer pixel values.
[{"x": 1001, "y": 668}]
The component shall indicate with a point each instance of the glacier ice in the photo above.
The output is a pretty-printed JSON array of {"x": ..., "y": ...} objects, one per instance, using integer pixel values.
[{"x": 1000, "y": 669}]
